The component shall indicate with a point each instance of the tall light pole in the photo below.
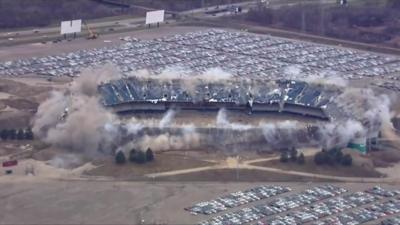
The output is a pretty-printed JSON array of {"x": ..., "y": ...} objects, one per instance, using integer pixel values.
[
  {"x": 322, "y": 18},
  {"x": 303, "y": 17}
]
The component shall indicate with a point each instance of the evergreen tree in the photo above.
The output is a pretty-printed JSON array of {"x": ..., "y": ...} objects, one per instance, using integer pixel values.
[
  {"x": 284, "y": 157},
  {"x": 132, "y": 155},
  {"x": 4, "y": 134},
  {"x": 12, "y": 134},
  {"x": 29, "y": 134},
  {"x": 20, "y": 134},
  {"x": 301, "y": 159},
  {"x": 338, "y": 156},
  {"x": 293, "y": 154},
  {"x": 347, "y": 160},
  {"x": 120, "y": 158},
  {"x": 149, "y": 155},
  {"x": 319, "y": 158},
  {"x": 140, "y": 157}
]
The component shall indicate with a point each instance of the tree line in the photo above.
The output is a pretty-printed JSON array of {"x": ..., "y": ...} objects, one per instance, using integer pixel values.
[
  {"x": 16, "y": 134},
  {"x": 331, "y": 157},
  {"x": 293, "y": 156},
  {"x": 39, "y": 13},
  {"x": 339, "y": 22},
  {"x": 135, "y": 156},
  {"x": 27, "y": 13}
]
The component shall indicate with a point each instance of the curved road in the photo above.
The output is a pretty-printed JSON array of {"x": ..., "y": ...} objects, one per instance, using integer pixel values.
[{"x": 247, "y": 165}]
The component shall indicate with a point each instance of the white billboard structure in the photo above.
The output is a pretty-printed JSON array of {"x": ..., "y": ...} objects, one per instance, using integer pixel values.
[
  {"x": 71, "y": 26},
  {"x": 155, "y": 17}
]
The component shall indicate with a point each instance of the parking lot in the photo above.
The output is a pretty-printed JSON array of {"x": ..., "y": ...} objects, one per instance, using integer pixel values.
[
  {"x": 51, "y": 201},
  {"x": 240, "y": 53},
  {"x": 320, "y": 205},
  {"x": 236, "y": 199}
]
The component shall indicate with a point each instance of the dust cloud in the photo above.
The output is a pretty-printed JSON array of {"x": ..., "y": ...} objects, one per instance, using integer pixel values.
[{"x": 75, "y": 119}]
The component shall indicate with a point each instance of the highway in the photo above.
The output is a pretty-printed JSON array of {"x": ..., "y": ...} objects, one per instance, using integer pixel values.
[{"x": 125, "y": 24}]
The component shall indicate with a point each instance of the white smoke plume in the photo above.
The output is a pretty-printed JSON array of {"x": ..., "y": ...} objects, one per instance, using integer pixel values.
[
  {"x": 292, "y": 72},
  {"x": 75, "y": 119},
  {"x": 372, "y": 110},
  {"x": 281, "y": 134},
  {"x": 65, "y": 161},
  {"x": 167, "y": 119},
  {"x": 330, "y": 80},
  {"x": 223, "y": 122},
  {"x": 339, "y": 134},
  {"x": 133, "y": 127},
  {"x": 188, "y": 139},
  {"x": 178, "y": 73},
  {"x": 49, "y": 113}
]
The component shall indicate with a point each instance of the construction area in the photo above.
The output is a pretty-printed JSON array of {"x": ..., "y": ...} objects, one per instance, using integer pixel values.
[{"x": 170, "y": 120}]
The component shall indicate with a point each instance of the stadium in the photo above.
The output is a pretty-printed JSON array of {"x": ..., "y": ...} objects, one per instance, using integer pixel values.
[
  {"x": 200, "y": 112},
  {"x": 280, "y": 96},
  {"x": 298, "y": 100},
  {"x": 254, "y": 83},
  {"x": 282, "y": 92},
  {"x": 130, "y": 96}
]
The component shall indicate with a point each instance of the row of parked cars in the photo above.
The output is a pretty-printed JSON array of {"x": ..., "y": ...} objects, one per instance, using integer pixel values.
[
  {"x": 391, "y": 221},
  {"x": 242, "y": 54},
  {"x": 278, "y": 205},
  {"x": 365, "y": 215},
  {"x": 323, "y": 205},
  {"x": 323, "y": 209},
  {"x": 236, "y": 199},
  {"x": 346, "y": 62}
]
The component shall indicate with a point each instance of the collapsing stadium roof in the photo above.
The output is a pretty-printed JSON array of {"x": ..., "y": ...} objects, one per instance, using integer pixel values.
[{"x": 133, "y": 94}]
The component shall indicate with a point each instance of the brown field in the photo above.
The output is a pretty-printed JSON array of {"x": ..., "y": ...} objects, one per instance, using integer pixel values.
[
  {"x": 35, "y": 201},
  {"x": 134, "y": 171},
  {"x": 240, "y": 175},
  {"x": 373, "y": 22},
  {"x": 311, "y": 167}
]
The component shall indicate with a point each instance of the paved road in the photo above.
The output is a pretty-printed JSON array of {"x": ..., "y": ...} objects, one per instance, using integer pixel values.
[
  {"x": 117, "y": 25},
  {"x": 275, "y": 170},
  {"x": 112, "y": 22}
]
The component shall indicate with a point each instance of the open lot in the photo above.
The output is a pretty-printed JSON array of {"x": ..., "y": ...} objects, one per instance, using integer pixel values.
[
  {"x": 133, "y": 171},
  {"x": 240, "y": 175},
  {"x": 311, "y": 167},
  {"x": 93, "y": 202},
  {"x": 369, "y": 21}
]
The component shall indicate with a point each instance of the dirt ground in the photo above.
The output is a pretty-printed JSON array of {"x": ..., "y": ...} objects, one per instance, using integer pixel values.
[
  {"x": 12, "y": 147},
  {"x": 311, "y": 167},
  {"x": 208, "y": 118},
  {"x": 19, "y": 102},
  {"x": 240, "y": 175},
  {"x": 134, "y": 171},
  {"x": 374, "y": 22},
  {"x": 33, "y": 201},
  {"x": 40, "y": 50}
]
